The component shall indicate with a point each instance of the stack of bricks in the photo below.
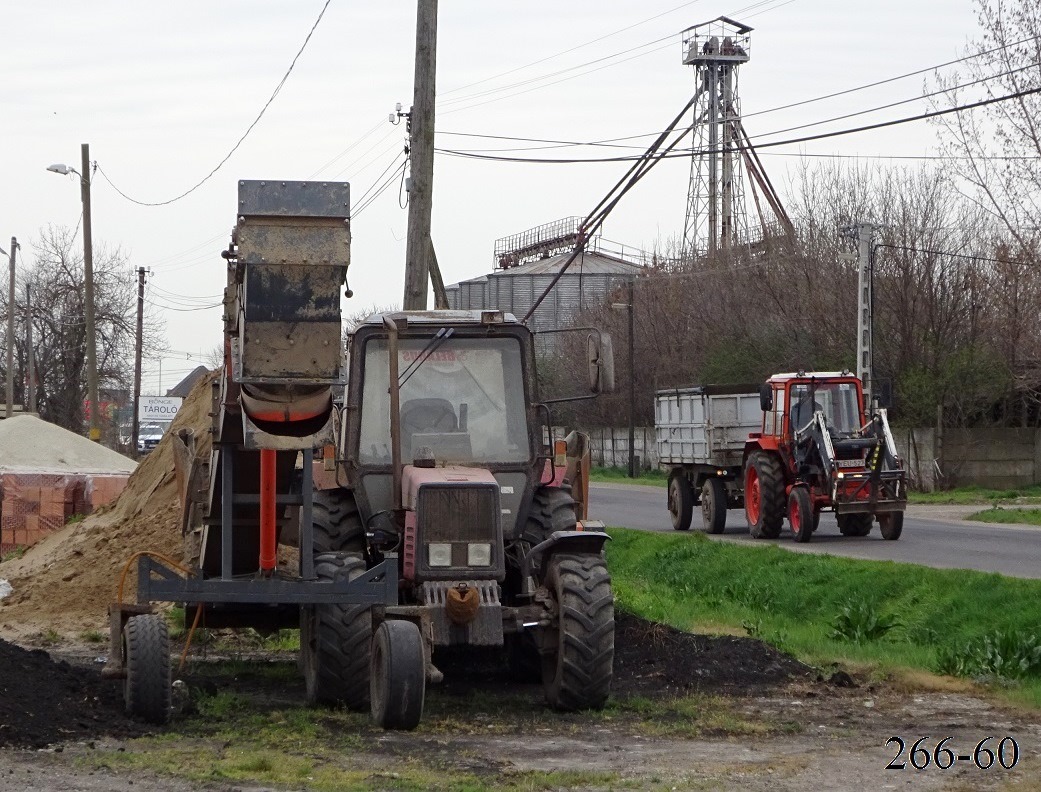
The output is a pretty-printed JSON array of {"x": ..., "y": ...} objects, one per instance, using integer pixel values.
[{"x": 36, "y": 504}]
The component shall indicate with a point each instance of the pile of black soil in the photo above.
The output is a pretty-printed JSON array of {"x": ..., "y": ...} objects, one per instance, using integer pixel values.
[
  {"x": 45, "y": 701},
  {"x": 658, "y": 661}
]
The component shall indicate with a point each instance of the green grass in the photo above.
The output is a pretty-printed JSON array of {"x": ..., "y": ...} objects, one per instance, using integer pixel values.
[
  {"x": 1005, "y": 515},
  {"x": 973, "y": 494},
  {"x": 819, "y": 607},
  {"x": 658, "y": 478}
]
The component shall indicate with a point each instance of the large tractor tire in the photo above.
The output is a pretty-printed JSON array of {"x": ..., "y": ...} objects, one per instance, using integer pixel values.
[
  {"x": 854, "y": 524},
  {"x": 764, "y": 495},
  {"x": 146, "y": 651},
  {"x": 714, "y": 506},
  {"x": 681, "y": 501},
  {"x": 398, "y": 675},
  {"x": 577, "y": 675},
  {"x": 891, "y": 525},
  {"x": 336, "y": 640},
  {"x": 552, "y": 509},
  {"x": 800, "y": 514},
  {"x": 337, "y": 523}
]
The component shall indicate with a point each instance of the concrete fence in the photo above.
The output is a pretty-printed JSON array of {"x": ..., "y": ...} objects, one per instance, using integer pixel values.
[{"x": 1002, "y": 458}]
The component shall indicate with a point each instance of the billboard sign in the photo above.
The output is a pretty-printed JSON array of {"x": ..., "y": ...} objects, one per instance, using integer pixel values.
[{"x": 158, "y": 408}]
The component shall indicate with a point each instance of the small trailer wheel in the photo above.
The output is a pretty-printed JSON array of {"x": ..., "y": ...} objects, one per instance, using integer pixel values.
[
  {"x": 714, "y": 506},
  {"x": 891, "y": 524},
  {"x": 146, "y": 651},
  {"x": 397, "y": 676}
]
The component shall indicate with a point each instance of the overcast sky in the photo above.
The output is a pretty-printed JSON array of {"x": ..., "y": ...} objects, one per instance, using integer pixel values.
[{"x": 162, "y": 92}]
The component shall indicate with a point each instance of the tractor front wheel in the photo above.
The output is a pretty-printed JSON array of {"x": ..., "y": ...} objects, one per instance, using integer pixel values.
[
  {"x": 681, "y": 501},
  {"x": 764, "y": 495},
  {"x": 800, "y": 514},
  {"x": 891, "y": 525},
  {"x": 854, "y": 524},
  {"x": 577, "y": 674},
  {"x": 714, "y": 506},
  {"x": 398, "y": 675}
]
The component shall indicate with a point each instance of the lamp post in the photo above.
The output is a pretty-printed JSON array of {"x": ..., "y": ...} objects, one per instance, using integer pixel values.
[{"x": 88, "y": 287}]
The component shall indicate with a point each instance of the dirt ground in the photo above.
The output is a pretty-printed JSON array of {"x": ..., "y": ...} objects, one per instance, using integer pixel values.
[{"x": 825, "y": 731}]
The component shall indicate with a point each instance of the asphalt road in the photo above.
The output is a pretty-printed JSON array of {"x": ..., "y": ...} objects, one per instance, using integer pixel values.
[{"x": 932, "y": 536}]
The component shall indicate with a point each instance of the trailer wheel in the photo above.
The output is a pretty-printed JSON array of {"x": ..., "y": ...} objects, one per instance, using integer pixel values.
[
  {"x": 891, "y": 525},
  {"x": 714, "y": 505},
  {"x": 335, "y": 641},
  {"x": 337, "y": 523},
  {"x": 800, "y": 514},
  {"x": 854, "y": 524},
  {"x": 146, "y": 650},
  {"x": 681, "y": 500},
  {"x": 764, "y": 495},
  {"x": 398, "y": 675},
  {"x": 578, "y": 674}
]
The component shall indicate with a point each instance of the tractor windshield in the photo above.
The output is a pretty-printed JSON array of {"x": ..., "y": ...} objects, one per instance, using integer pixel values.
[
  {"x": 837, "y": 400},
  {"x": 464, "y": 402}
]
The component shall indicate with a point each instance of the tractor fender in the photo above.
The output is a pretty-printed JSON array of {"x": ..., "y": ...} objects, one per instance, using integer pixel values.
[{"x": 579, "y": 542}]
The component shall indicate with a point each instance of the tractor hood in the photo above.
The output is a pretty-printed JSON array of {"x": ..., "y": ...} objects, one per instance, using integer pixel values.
[{"x": 412, "y": 478}]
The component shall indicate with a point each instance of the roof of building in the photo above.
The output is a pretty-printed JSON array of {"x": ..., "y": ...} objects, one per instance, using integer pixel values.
[
  {"x": 31, "y": 445},
  {"x": 589, "y": 263},
  {"x": 184, "y": 387}
]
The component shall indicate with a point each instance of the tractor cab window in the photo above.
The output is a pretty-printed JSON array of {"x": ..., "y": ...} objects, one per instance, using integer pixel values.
[
  {"x": 837, "y": 400},
  {"x": 464, "y": 402}
]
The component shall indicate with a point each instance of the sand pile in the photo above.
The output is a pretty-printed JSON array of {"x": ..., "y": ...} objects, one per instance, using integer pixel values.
[{"x": 66, "y": 582}]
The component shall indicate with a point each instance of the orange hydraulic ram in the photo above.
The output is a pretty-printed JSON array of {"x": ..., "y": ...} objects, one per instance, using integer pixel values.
[{"x": 267, "y": 510}]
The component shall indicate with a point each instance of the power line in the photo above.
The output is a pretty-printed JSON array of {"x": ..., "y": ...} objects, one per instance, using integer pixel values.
[
  {"x": 769, "y": 144},
  {"x": 249, "y": 129},
  {"x": 952, "y": 255}
]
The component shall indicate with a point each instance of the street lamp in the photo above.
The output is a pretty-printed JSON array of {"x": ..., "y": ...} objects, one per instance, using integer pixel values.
[{"x": 88, "y": 286}]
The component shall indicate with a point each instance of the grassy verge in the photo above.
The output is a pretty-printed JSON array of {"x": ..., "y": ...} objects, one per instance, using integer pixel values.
[
  {"x": 825, "y": 609},
  {"x": 1005, "y": 515},
  {"x": 608, "y": 475},
  {"x": 972, "y": 495}
]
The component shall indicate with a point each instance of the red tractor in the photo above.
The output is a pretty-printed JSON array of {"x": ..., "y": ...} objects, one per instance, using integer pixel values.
[{"x": 818, "y": 451}]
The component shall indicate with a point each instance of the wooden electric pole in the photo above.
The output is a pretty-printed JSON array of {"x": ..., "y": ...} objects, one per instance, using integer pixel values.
[
  {"x": 10, "y": 332},
  {"x": 30, "y": 402},
  {"x": 137, "y": 357},
  {"x": 88, "y": 298},
  {"x": 418, "y": 247}
]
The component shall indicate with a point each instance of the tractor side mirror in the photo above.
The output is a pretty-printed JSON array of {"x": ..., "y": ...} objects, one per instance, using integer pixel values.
[
  {"x": 766, "y": 397},
  {"x": 600, "y": 354}
]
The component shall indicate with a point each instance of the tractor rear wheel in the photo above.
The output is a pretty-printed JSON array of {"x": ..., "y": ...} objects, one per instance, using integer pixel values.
[
  {"x": 714, "y": 506},
  {"x": 854, "y": 524},
  {"x": 577, "y": 675},
  {"x": 398, "y": 675},
  {"x": 335, "y": 641},
  {"x": 146, "y": 650},
  {"x": 552, "y": 509},
  {"x": 337, "y": 523},
  {"x": 891, "y": 525},
  {"x": 800, "y": 514},
  {"x": 681, "y": 500},
  {"x": 764, "y": 495}
]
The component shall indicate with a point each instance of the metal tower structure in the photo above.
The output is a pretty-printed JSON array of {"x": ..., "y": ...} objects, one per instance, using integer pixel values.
[{"x": 716, "y": 217}]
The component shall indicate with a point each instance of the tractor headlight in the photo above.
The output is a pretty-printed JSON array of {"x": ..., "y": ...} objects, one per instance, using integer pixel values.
[
  {"x": 479, "y": 554},
  {"x": 439, "y": 554}
]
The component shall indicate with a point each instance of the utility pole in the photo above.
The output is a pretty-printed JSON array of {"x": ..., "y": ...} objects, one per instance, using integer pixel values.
[
  {"x": 137, "y": 357},
  {"x": 10, "y": 332},
  {"x": 418, "y": 246},
  {"x": 865, "y": 306},
  {"x": 88, "y": 297},
  {"x": 30, "y": 405}
]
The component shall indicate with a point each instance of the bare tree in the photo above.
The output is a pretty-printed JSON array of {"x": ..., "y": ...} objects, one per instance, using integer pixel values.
[{"x": 59, "y": 338}]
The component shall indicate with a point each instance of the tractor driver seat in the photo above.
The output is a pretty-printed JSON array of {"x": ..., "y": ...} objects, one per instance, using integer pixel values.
[{"x": 423, "y": 416}]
